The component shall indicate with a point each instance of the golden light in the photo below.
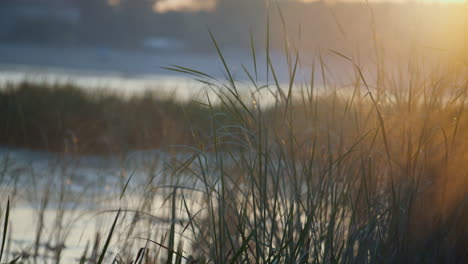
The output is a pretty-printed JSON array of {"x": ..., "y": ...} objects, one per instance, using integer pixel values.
[
  {"x": 164, "y": 6},
  {"x": 393, "y": 1},
  {"x": 113, "y": 2}
]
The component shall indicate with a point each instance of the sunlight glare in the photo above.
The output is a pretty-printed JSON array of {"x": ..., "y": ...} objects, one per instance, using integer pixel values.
[
  {"x": 164, "y": 6},
  {"x": 394, "y": 1}
]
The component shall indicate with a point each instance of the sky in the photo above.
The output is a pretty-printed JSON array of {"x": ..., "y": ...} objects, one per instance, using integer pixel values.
[{"x": 163, "y": 6}]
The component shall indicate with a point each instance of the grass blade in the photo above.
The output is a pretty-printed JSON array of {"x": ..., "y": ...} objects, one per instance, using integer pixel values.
[
  {"x": 5, "y": 228},
  {"x": 106, "y": 245}
]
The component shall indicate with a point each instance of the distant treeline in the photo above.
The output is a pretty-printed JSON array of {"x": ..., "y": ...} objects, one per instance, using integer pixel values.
[{"x": 64, "y": 118}]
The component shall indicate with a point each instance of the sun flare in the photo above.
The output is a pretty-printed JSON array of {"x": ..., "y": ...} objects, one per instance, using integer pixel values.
[
  {"x": 164, "y": 6},
  {"x": 394, "y": 1}
]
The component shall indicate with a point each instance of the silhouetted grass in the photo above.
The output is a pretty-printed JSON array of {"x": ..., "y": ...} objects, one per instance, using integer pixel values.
[{"x": 375, "y": 175}]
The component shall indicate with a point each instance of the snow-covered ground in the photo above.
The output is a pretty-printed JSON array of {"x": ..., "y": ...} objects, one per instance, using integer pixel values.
[{"x": 76, "y": 197}]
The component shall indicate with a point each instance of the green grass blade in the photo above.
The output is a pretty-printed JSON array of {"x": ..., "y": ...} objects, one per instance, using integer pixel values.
[
  {"x": 5, "y": 228},
  {"x": 106, "y": 245},
  {"x": 226, "y": 67},
  {"x": 126, "y": 184},
  {"x": 254, "y": 56}
]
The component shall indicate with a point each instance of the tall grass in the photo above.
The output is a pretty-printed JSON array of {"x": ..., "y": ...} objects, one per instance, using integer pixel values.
[{"x": 375, "y": 174}]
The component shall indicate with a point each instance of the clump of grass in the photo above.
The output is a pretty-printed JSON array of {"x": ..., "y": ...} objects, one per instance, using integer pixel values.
[{"x": 376, "y": 175}]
